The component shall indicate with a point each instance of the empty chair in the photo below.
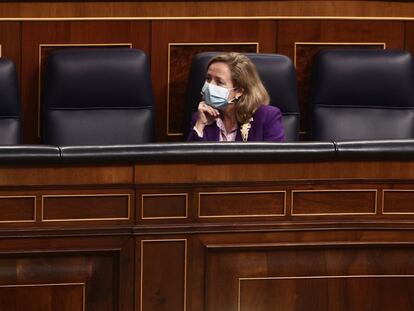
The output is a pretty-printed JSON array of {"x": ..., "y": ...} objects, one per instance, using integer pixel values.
[
  {"x": 97, "y": 97},
  {"x": 278, "y": 76},
  {"x": 362, "y": 94},
  {"x": 10, "y": 116}
]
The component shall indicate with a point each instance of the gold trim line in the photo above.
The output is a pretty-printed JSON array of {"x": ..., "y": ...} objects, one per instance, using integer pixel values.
[{"x": 190, "y": 18}]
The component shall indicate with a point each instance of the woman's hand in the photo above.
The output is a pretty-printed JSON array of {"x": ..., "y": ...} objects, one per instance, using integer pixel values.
[{"x": 206, "y": 116}]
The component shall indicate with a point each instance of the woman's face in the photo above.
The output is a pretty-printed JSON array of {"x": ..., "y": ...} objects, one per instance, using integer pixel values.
[{"x": 219, "y": 74}]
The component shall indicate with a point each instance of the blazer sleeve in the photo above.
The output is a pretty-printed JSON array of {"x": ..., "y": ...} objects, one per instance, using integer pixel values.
[
  {"x": 193, "y": 136},
  {"x": 273, "y": 127}
]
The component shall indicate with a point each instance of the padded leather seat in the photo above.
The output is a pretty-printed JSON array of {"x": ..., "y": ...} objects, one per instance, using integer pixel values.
[
  {"x": 98, "y": 97},
  {"x": 362, "y": 94},
  {"x": 10, "y": 115},
  {"x": 279, "y": 78}
]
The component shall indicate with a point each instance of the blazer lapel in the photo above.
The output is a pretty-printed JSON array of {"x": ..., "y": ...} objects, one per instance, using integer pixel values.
[
  {"x": 238, "y": 134},
  {"x": 216, "y": 132}
]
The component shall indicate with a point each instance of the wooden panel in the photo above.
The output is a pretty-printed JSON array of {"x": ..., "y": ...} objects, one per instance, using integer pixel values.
[
  {"x": 69, "y": 175},
  {"x": 60, "y": 272},
  {"x": 242, "y": 204},
  {"x": 149, "y": 8},
  {"x": 272, "y": 172},
  {"x": 86, "y": 207},
  {"x": 103, "y": 266},
  {"x": 17, "y": 209},
  {"x": 165, "y": 173},
  {"x": 398, "y": 201},
  {"x": 10, "y": 42},
  {"x": 409, "y": 36},
  {"x": 331, "y": 202},
  {"x": 80, "y": 33},
  {"x": 163, "y": 275},
  {"x": 317, "y": 277},
  {"x": 43, "y": 297},
  {"x": 163, "y": 33},
  {"x": 164, "y": 206},
  {"x": 310, "y": 36},
  {"x": 309, "y": 293}
]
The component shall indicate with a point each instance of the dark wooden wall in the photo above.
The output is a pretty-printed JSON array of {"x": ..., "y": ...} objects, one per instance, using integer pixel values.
[
  {"x": 172, "y": 32},
  {"x": 333, "y": 235}
]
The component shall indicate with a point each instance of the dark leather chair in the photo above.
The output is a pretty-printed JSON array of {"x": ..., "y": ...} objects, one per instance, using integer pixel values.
[
  {"x": 279, "y": 78},
  {"x": 97, "y": 97},
  {"x": 10, "y": 115},
  {"x": 362, "y": 94}
]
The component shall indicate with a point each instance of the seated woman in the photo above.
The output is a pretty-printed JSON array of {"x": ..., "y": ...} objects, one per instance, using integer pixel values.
[{"x": 235, "y": 104}]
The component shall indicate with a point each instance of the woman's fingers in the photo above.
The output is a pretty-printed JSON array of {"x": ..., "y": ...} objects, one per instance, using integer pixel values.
[{"x": 202, "y": 107}]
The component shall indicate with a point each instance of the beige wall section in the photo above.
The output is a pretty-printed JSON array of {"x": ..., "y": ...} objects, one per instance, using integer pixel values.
[{"x": 197, "y": 9}]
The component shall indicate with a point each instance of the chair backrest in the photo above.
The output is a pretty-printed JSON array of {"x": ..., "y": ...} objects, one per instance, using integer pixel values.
[
  {"x": 97, "y": 97},
  {"x": 10, "y": 115},
  {"x": 362, "y": 94},
  {"x": 278, "y": 76}
]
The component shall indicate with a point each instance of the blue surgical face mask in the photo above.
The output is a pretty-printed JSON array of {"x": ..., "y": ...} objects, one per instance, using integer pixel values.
[{"x": 215, "y": 96}]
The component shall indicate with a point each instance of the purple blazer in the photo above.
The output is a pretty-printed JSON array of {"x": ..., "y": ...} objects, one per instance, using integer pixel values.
[{"x": 266, "y": 126}]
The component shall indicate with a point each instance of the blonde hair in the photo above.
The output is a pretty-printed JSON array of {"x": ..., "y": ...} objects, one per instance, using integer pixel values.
[{"x": 244, "y": 75}]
